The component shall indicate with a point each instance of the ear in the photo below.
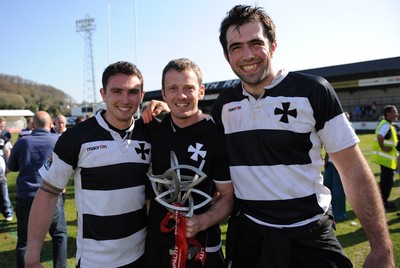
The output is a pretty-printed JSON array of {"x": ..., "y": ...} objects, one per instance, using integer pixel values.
[
  {"x": 163, "y": 93},
  {"x": 103, "y": 94},
  {"x": 141, "y": 98},
  {"x": 202, "y": 92},
  {"x": 226, "y": 57},
  {"x": 272, "y": 48}
]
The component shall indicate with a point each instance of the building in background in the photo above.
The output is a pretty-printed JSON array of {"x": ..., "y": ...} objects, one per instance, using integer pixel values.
[{"x": 16, "y": 119}]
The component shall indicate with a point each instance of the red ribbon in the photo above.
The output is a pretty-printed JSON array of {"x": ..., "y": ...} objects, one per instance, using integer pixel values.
[
  {"x": 201, "y": 255},
  {"x": 179, "y": 257}
]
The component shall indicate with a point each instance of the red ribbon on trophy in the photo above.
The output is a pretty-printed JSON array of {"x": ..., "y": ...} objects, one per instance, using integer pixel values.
[
  {"x": 179, "y": 257},
  {"x": 174, "y": 189}
]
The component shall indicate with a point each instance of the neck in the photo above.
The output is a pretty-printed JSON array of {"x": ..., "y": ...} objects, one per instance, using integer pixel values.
[
  {"x": 257, "y": 90},
  {"x": 121, "y": 125},
  {"x": 188, "y": 121}
]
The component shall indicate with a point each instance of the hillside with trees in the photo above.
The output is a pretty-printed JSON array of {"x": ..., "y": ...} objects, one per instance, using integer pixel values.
[{"x": 18, "y": 93}]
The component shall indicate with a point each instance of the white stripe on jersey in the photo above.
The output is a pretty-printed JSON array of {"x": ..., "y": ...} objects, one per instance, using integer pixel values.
[
  {"x": 100, "y": 152},
  {"x": 96, "y": 204},
  {"x": 109, "y": 253},
  {"x": 269, "y": 182},
  {"x": 260, "y": 114}
]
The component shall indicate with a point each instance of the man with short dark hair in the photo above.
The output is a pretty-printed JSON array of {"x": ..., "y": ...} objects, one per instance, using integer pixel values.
[
  {"x": 108, "y": 155},
  {"x": 29, "y": 127}
]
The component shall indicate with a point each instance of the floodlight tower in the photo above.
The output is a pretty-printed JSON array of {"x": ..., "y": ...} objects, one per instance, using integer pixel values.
[{"x": 87, "y": 27}]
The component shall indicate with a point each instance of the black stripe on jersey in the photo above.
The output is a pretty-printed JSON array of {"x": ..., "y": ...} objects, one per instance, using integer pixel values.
[
  {"x": 226, "y": 96},
  {"x": 113, "y": 177},
  {"x": 321, "y": 95},
  {"x": 293, "y": 150},
  {"x": 281, "y": 212},
  {"x": 319, "y": 92},
  {"x": 113, "y": 227},
  {"x": 69, "y": 145}
]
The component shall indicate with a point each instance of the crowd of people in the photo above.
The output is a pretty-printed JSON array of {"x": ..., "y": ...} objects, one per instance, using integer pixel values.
[{"x": 256, "y": 159}]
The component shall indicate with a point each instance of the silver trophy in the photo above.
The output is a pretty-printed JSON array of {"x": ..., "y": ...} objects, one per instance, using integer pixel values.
[{"x": 174, "y": 191}]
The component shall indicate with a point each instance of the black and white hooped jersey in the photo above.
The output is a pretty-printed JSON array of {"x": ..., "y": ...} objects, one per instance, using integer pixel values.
[
  {"x": 274, "y": 147},
  {"x": 109, "y": 180},
  {"x": 200, "y": 145}
]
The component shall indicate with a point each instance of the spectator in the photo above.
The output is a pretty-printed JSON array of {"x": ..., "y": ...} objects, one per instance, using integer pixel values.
[
  {"x": 6, "y": 207},
  {"x": 357, "y": 112},
  {"x": 79, "y": 119},
  {"x": 27, "y": 156},
  {"x": 5, "y": 140},
  {"x": 29, "y": 127},
  {"x": 384, "y": 152},
  {"x": 373, "y": 108},
  {"x": 60, "y": 125},
  {"x": 5, "y": 150}
]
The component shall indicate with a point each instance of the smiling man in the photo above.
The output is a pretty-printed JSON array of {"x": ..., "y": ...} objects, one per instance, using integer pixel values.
[
  {"x": 108, "y": 155},
  {"x": 197, "y": 142},
  {"x": 283, "y": 216}
]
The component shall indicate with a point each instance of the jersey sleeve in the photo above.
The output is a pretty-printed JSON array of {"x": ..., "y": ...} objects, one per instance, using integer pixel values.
[
  {"x": 332, "y": 125},
  {"x": 63, "y": 161}
]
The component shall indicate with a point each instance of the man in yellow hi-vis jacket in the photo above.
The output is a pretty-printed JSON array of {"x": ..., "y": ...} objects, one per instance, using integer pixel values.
[{"x": 384, "y": 152}]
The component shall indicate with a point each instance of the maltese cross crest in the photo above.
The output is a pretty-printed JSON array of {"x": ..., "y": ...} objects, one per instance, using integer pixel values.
[
  {"x": 285, "y": 112},
  {"x": 197, "y": 151}
]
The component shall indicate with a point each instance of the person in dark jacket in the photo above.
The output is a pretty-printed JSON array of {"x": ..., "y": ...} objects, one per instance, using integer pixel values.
[{"x": 27, "y": 156}]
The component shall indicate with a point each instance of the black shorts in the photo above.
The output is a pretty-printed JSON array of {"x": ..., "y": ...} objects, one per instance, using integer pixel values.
[{"x": 314, "y": 245}]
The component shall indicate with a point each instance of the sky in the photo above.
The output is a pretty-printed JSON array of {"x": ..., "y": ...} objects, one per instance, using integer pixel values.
[{"x": 39, "y": 41}]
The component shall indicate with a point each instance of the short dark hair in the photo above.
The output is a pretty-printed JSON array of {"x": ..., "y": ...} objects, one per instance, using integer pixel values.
[
  {"x": 181, "y": 65},
  {"x": 388, "y": 109},
  {"x": 242, "y": 14},
  {"x": 121, "y": 67}
]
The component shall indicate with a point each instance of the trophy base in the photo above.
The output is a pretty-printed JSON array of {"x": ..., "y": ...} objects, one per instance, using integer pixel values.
[{"x": 192, "y": 251}]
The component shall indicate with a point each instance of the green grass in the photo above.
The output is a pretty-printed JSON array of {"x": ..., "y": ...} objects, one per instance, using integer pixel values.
[{"x": 352, "y": 237}]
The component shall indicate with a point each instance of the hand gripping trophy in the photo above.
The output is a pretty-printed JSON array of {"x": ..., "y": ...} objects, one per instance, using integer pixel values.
[{"x": 174, "y": 191}]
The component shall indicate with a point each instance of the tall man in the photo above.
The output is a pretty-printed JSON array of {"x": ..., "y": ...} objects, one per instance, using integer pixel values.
[
  {"x": 275, "y": 124},
  {"x": 282, "y": 205},
  {"x": 27, "y": 156},
  {"x": 197, "y": 142},
  {"x": 384, "y": 152},
  {"x": 109, "y": 159}
]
